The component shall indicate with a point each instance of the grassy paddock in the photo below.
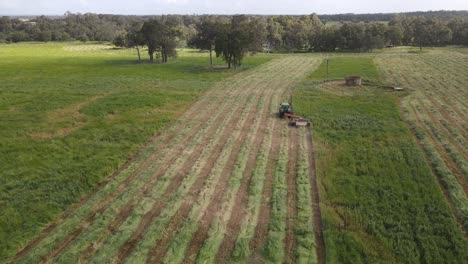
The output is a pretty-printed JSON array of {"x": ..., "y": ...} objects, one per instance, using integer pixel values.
[
  {"x": 340, "y": 67},
  {"x": 380, "y": 202},
  {"x": 72, "y": 113}
]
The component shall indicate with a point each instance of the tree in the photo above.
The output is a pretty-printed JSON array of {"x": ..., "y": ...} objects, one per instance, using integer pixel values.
[
  {"x": 459, "y": 28},
  {"x": 422, "y": 35},
  {"x": 327, "y": 39},
  {"x": 393, "y": 35},
  {"x": 298, "y": 33},
  {"x": 135, "y": 39},
  {"x": 5, "y": 24},
  {"x": 274, "y": 34},
  {"x": 120, "y": 41},
  {"x": 234, "y": 40},
  {"x": 374, "y": 36},
  {"x": 207, "y": 30},
  {"x": 441, "y": 33},
  {"x": 257, "y": 29},
  {"x": 161, "y": 34},
  {"x": 351, "y": 36}
]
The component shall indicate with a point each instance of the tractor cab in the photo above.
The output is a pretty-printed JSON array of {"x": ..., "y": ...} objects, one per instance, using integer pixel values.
[{"x": 285, "y": 108}]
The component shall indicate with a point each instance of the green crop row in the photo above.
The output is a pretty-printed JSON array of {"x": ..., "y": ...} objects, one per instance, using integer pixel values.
[
  {"x": 274, "y": 248},
  {"x": 449, "y": 181},
  {"x": 218, "y": 228},
  {"x": 305, "y": 248},
  {"x": 241, "y": 249},
  {"x": 449, "y": 148}
]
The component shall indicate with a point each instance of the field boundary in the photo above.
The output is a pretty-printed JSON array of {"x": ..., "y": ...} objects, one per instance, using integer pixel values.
[{"x": 317, "y": 214}]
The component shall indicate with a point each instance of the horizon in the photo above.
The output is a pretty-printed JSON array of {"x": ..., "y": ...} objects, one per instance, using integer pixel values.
[
  {"x": 223, "y": 7},
  {"x": 249, "y": 14}
]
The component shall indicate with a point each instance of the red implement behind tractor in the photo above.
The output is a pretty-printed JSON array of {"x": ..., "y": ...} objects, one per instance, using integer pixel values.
[{"x": 297, "y": 120}]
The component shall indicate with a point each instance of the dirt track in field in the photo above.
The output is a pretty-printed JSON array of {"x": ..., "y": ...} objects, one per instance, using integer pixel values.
[{"x": 181, "y": 187}]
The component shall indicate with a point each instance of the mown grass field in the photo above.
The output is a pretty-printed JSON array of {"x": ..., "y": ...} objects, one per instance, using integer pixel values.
[
  {"x": 219, "y": 184},
  {"x": 380, "y": 201},
  {"x": 70, "y": 114},
  {"x": 221, "y": 179},
  {"x": 437, "y": 111}
]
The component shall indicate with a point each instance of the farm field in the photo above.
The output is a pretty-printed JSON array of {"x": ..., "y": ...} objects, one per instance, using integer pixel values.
[
  {"x": 220, "y": 178},
  {"x": 437, "y": 111},
  {"x": 71, "y": 114},
  {"x": 226, "y": 182},
  {"x": 380, "y": 201}
]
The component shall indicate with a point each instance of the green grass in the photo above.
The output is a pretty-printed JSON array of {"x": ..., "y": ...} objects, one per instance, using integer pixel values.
[
  {"x": 305, "y": 249},
  {"x": 461, "y": 49},
  {"x": 274, "y": 248},
  {"x": 72, "y": 113},
  {"x": 340, "y": 67},
  {"x": 380, "y": 201}
]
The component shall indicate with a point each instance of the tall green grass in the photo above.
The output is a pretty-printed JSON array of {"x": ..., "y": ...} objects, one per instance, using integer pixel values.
[
  {"x": 41, "y": 176},
  {"x": 340, "y": 67},
  {"x": 380, "y": 202}
]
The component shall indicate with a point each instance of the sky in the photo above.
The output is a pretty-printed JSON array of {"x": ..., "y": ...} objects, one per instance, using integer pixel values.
[{"x": 156, "y": 7}]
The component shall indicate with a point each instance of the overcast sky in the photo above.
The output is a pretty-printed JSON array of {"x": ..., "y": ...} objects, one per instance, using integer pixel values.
[{"x": 150, "y": 7}]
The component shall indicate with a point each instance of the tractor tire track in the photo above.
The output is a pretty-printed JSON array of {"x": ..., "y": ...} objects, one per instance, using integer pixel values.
[
  {"x": 317, "y": 215},
  {"x": 290, "y": 240}
]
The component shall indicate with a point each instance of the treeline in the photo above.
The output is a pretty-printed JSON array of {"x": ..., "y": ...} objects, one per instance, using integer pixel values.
[
  {"x": 350, "y": 17},
  {"x": 82, "y": 27},
  {"x": 233, "y": 36}
]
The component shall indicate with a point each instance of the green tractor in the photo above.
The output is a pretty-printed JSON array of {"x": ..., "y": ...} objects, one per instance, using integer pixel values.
[{"x": 285, "y": 108}]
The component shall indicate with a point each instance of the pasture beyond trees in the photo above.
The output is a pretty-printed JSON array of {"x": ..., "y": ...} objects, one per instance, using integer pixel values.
[{"x": 72, "y": 113}]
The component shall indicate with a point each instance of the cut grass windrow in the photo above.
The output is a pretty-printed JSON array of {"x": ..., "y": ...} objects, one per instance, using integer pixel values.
[
  {"x": 146, "y": 185},
  {"x": 234, "y": 201},
  {"x": 128, "y": 241},
  {"x": 213, "y": 186},
  {"x": 213, "y": 175},
  {"x": 306, "y": 247},
  {"x": 119, "y": 181},
  {"x": 236, "y": 198},
  {"x": 241, "y": 249},
  {"x": 291, "y": 178},
  {"x": 274, "y": 247},
  {"x": 177, "y": 216},
  {"x": 186, "y": 233},
  {"x": 136, "y": 164},
  {"x": 210, "y": 232},
  {"x": 99, "y": 208}
]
